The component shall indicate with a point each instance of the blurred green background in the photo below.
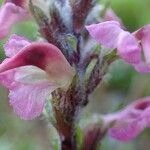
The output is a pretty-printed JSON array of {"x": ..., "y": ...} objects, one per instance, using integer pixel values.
[{"x": 121, "y": 85}]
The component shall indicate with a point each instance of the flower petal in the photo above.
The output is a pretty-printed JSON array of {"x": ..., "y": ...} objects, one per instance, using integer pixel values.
[
  {"x": 142, "y": 67},
  {"x": 126, "y": 132},
  {"x": 131, "y": 121},
  {"x": 128, "y": 47},
  {"x": 9, "y": 15},
  {"x": 20, "y": 3},
  {"x": 15, "y": 44},
  {"x": 44, "y": 56},
  {"x": 106, "y": 33},
  {"x": 27, "y": 75},
  {"x": 7, "y": 79},
  {"x": 28, "y": 100},
  {"x": 143, "y": 35}
]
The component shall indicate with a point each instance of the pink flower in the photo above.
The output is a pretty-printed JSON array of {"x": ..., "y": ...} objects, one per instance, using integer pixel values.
[
  {"x": 21, "y": 3},
  {"x": 11, "y": 12},
  {"x": 31, "y": 72},
  {"x": 131, "y": 121},
  {"x": 129, "y": 46}
]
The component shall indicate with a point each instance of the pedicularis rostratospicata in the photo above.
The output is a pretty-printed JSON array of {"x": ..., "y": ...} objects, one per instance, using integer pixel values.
[{"x": 79, "y": 39}]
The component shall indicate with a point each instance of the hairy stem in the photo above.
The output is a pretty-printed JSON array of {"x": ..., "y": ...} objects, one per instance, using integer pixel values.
[
  {"x": 81, "y": 9},
  {"x": 100, "y": 70},
  {"x": 66, "y": 105}
]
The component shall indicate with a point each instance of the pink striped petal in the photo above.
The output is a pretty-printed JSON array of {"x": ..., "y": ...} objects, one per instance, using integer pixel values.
[
  {"x": 9, "y": 15},
  {"x": 28, "y": 100},
  {"x": 15, "y": 44},
  {"x": 106, "y": 33}
]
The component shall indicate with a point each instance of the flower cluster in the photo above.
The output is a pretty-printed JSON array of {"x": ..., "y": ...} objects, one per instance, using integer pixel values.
[
  {"x": 33, "y": 70},
  {"x": 128, "y": 123}
]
